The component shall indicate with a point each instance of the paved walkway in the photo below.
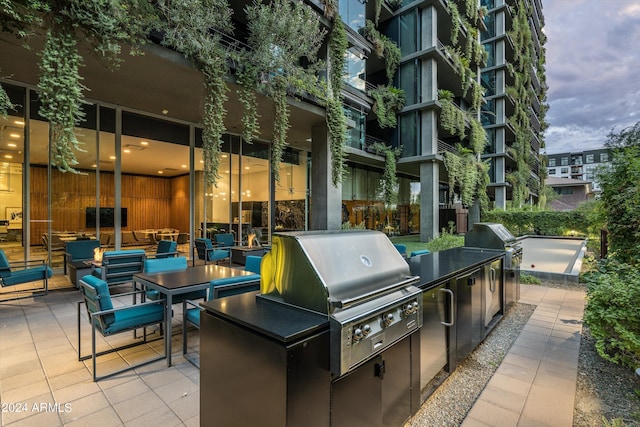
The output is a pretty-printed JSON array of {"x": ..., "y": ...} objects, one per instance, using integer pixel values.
[{"x": 536, "y": 383}]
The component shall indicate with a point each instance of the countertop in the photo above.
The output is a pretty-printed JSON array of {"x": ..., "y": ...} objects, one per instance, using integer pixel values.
[
  {"x": 278, "y": 321},
  {"x": 440, "y": 266}
]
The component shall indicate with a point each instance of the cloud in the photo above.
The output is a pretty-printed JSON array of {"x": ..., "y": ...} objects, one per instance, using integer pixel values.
[{"x": 592, "y": 63}]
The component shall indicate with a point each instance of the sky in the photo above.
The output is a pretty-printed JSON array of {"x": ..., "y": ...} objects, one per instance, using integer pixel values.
[{"x": 592, "y": 69}]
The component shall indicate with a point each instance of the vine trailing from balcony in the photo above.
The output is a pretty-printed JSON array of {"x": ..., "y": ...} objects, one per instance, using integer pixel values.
[
  {"x": 336, "y": 120},
  {"x": 384, "y": 47},
  {"x": 103, "y": 26},
  {"x": 246, "y": 77},
  {"x": 280, "y": 34},
  {"x": 520, "y": 120},
  {"x": 389, "y": 181},
  {"x": 452, "y": 118},
  {"x": 389, "y": 101},
  {"x": 5, "y": 103},
  {"x": 61, "y": 95},
  {"x": 194, "y": 28},
  {"x": 468, "y": 175}
]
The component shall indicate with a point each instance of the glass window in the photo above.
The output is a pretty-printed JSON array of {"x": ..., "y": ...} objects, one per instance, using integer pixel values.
[
  {"x": 490, "y": 23},
  {"x": 564, "y": 170},
  {"x": 408, "y": 125},
  {"x": 353, "y": 13},
  {"x": 491, "y": 57},
  {"x": 552, "y": 161},
  {"x": 552, "y": 171},
  {"x": 604, "y": 157},
  {"x": 356, "y": 64},
  {"x": 489, "y": 82},
  {"x": 409, "y": 73},
  {"x": 356, "y": 134},
  {"x": 488, "y": 113},
  {"x": 564, "y": 161},
  {"x": 589, "y": 158},
  {"x": 490, "y": 148},
  {"x": 409, "y": 32}
]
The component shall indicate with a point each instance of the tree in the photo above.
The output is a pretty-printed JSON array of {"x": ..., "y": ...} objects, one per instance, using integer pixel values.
[{"x": 621, "y": 195}]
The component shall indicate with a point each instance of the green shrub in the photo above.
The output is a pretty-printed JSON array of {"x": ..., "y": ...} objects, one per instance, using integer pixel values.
[
  {"x": 445, "y": 241},
  {"x": 545, "y": 223},
  {"x": 612, "y": 313},
  {"x": 528, "y": 279}
]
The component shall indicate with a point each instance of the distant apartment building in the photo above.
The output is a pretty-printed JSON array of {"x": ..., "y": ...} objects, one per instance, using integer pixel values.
[{"x": 578, "y": 165}]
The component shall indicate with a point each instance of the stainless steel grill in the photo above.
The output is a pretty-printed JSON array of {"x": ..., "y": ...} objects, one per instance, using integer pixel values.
[
  {"x": 489, "y": 235},
  {"x": 357, "y": 278}
]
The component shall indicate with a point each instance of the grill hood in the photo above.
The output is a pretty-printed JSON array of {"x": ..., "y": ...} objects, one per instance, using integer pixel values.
[
  {"x": 489, "y": 235},
  {"x": 328, "y": 270}
]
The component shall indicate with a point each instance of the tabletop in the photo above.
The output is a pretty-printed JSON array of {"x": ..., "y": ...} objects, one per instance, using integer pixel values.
[{"x": 191, "y": 276}]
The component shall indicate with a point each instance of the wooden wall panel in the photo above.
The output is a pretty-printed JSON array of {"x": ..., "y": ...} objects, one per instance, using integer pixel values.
[{"x": 151, "y": 202}]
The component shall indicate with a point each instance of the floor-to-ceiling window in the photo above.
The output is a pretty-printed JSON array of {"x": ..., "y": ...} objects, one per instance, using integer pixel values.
[{"x": 291, "y": 192}]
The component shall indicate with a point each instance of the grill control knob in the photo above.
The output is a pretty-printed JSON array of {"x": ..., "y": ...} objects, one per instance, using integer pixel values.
[
  {"x": 410, "y": 309},
  {"x": 357, "y": 335},
  {"x": 366, "y": 329},
  {"x": 387, "y": 319}
]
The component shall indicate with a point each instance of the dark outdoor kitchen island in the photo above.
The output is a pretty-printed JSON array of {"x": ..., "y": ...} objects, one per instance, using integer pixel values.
[
  {"x": 332, "y": 339},
  {"x": 463, "y": 298}
]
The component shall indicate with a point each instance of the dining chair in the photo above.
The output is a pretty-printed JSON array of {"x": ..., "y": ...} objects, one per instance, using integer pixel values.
[
  {"x": 119, "y": 267},
  {"x": 207, "y": 252},
  {"x": 109, "y": 320},
  {"x": 221, "y": 288},
  {"x": 20, "y": 272},
  {"x": 166, "y": 249}
]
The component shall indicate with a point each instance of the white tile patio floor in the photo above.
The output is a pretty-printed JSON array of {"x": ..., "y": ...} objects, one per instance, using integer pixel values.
[{"x": 43, "y": 384}]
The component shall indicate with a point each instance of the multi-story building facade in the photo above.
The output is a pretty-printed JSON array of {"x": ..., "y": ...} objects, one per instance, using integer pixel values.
[
  {"x": 515, "y": 94},
  {"x": 578, "y": 165},
  {"x": 142, "y": 148}
]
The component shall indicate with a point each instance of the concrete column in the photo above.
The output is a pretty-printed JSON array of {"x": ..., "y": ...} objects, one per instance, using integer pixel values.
[
  {"x": 429, "y": 21},
  {"x": 501, "y": 197},
  {"x": 429, "y": 133},
  {"x": 429, "y": 200},
  {"x": 326, "y": 199}
]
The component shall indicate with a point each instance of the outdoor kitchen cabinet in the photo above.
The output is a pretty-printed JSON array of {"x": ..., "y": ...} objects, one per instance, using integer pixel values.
[
  {"x": 262, "y": 364},
  {"x": 455, "y": 285}
]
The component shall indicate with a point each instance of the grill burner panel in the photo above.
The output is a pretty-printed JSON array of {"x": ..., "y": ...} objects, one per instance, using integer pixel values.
[{"x": 357, "y": 278}]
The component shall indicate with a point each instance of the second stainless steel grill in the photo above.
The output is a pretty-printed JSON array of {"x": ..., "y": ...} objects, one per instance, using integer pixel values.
[{"x": 357, "y": 278}]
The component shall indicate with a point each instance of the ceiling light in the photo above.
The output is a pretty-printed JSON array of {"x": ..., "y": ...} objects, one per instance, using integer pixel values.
[
  {"x": 144, "y": 143},
  {"x": 8, "y": 156},
  {"x": 112, "y": 157},
  {"x": 126, "y": 150},
  {"x": 94, "y": 165},
  {"x": 160, "y": 172},
  {"x": 165, "y": 112},
  {"x": 19, "y": 122},
  {"x": 184, "y": 166},
  {"x": 12, "y": 145},
  {"x": 224, "y": 156},
  {"x": 14, "y": 135},
  {"x": 247, "y": 168}
]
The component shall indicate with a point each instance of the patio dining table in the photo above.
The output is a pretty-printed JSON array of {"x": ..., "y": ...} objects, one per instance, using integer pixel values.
[{"x": 177, "y": 282}]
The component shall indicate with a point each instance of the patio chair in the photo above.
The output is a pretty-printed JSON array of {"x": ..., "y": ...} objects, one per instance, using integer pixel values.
[
  {"x": 219, "y": 289},
  {"x": 19, "y": 272},
  {"x": 207, "y": 252},
  {"x": 166, "y": 249},
  {"x": 223, "y": 240},
  {"x": 162, "y": 265},
  {"x": 120, "y": 266},
  {"x": 79, "y": 250},
  {"x": 401, "y": 248},
  {"x": 419, "y": 252},
  {"x": 107, "y": 320}
]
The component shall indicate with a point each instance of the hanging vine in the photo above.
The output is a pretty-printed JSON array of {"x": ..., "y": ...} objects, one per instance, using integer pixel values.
[
  {"x": 388, "y": 101},
  {"x": 384, "y": 47},
  {"x": 389, "y": 181},
  {"x": 5, "y": 103},
  {"x": 280, "y": 33},
  {"x": 336, "y": 120},
  {"x": 194, "y": 28},
  {"x": 246, "y": 78},
  {"x": 61, "y": 95},
  {"x": 452, "y": 118}
]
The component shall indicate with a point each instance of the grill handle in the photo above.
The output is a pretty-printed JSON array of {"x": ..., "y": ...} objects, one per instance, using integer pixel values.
[
  {"x": 451, "y": 307},
  {"x": 361, "y": 298}
]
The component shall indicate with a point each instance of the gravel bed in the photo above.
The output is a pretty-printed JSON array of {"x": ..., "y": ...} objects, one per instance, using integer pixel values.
[{"x": 450, "y": 403}]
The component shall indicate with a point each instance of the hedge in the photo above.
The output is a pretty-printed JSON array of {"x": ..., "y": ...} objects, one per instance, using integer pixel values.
[{"x": 545, "y": 223}]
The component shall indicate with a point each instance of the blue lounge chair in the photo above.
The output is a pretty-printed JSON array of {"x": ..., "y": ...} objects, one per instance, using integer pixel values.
[
  {"x": 19, "y": 272},
  {"x": 120, "y": 266},
  {"x": 107, "y": 320},
  {"x": 207, "y": 252}
]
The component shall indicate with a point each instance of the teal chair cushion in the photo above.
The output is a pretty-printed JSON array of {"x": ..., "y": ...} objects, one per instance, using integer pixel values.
[
  {"x": 134, "y": 317},
  {"x": 100, "y": 300},
  {"x": 419, "y": 252},
  {"x": 233, "y": 290},
  {"x": 31, "y": 274},
  {"x": 252, "y": 264},
  {"x": 224, "y": 240},
  {"x": 166, "y": 249},
  {"x": 160, "y": 265},
  {"x": 193, "y": 316},
  {"x": 80, "y": 250}
]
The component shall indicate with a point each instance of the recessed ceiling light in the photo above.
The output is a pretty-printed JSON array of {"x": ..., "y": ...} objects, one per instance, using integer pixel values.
[
  {"x": 14, "y": 135},
  {"x": 12, "y": 145},
  {"x": 8, "y": 156},
  {"x": 126, "y": 150},
  {"x": 184, "y": 166},
  {"x": 144, "y": 143},
  {"x": 94, "y": 165},
  {"x": 112, "y": 157},
  {"x": 160, "y": 172},
  {"x": 201, "y": 161},
  {"x": 165, "y": 112},
  {"x": 19, "y": 122},
  {"x": 224, "y": 156},
  {"x": 247, "y": 168}
]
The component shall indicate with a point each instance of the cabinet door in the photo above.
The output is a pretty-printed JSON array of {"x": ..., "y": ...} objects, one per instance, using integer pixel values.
[
  {"x": 356, "y": 398},
  {"x": 436, "y": 311},
  {"x": 468, "y": 327}
]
